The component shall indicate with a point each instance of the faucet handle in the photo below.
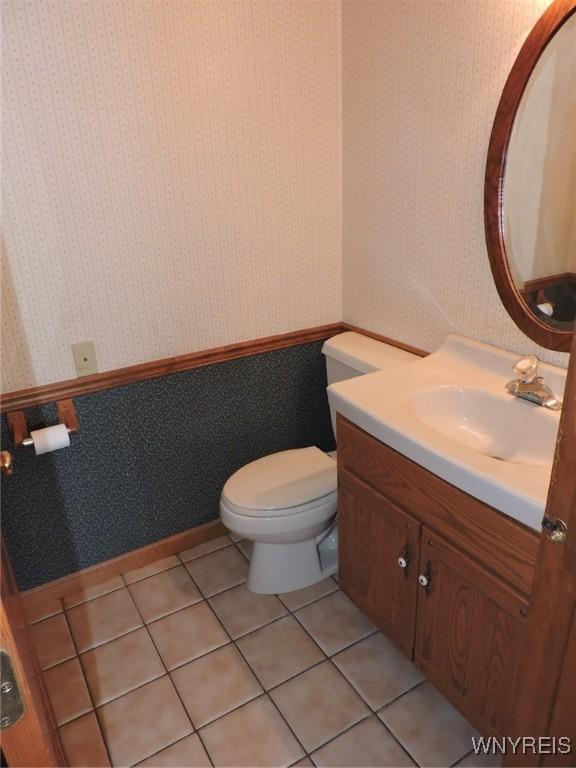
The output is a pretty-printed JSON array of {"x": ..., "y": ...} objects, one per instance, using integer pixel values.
[{"x": 526, "y": 369}]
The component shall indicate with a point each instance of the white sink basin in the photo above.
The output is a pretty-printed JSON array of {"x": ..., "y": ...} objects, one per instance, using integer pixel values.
[
  {"x": 450, "y": 413},
  {"x": 503, "y": 428}
]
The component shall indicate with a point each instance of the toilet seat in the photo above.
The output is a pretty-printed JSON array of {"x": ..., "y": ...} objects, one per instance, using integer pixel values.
[{"x": 282, "y": 484}]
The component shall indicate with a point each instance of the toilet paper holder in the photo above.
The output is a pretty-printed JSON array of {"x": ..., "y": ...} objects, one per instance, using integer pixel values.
[{"x": 19, "y": 426}]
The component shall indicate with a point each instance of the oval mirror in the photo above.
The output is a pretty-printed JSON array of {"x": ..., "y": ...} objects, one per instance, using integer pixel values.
[{"x": 530, "y": 186}]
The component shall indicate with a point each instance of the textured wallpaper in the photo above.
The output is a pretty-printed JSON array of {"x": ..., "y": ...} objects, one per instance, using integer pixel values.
[
  {"x": 421, "y": 82},
  {"x": 171, "y": 177},
  {"x": 173, "y": 174}
]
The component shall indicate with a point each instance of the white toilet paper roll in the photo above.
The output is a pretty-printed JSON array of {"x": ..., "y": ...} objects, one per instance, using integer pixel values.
[{"x": 50, "y": 438}]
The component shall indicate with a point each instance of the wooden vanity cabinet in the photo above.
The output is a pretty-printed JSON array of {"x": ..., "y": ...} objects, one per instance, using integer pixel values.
[
  {"x": 468, "y": 633},
  {"x": 379, "y": 553},
  {"x": 463, "y": 624}
]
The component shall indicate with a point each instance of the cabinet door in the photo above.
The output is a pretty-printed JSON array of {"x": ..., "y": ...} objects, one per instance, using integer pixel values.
[
  {"x": 378, "y": 552},
  {"x": 469, "y": 628}
]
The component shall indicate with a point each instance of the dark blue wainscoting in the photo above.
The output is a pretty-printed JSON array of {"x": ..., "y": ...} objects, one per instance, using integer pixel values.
[{"x": 151, "y": 458}]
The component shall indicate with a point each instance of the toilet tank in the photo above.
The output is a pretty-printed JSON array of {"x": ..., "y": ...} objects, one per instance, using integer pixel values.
[{"x": 351, "y": 354}]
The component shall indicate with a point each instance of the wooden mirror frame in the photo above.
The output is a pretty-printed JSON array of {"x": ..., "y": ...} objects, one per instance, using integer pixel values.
[{"x": 542, "y": 33}]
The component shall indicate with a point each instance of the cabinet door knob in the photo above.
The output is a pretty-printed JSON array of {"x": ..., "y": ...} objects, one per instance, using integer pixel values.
[
  {"x": 425, "y": 579},
  {"x": 404, "y": 559}
]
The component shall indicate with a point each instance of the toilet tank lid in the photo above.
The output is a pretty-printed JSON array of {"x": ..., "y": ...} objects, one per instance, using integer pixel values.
[
  {"x": 364, "y": 354},
  {"x": 282, "y": 480}
]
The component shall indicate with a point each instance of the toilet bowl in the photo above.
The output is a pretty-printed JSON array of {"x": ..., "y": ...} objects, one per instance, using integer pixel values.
[{"x": 285, "y": 503}]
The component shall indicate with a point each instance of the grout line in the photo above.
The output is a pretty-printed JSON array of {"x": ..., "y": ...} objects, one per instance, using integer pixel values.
[
  {"x": 169, "y": 746},
  {"x": 205, "y": 554},
  {"x": 468, "y": 754},
  {"x": 190, "y": 605},
  {"x": 341, "y": 650},
  {"x": 400, "y": 695},
  {"x": 127, "y": 584},
  {"x": 150, "y": 576},
  {"x": 239, "y": 548},
  {"x": 389, "y": 729},
  {"x": 326, "y": 658},
  {"x": 90, "y": 599},
  {"x": 264, "y": 691},
  {"x": 372, "y": 713},
  {"x": 256, "y": 629},
  {"x": 194, "y": 729},
  {"x": 89, "y": 692},
  {"x": 232, "y": 641},
  {"x": 341, "y": 733}
]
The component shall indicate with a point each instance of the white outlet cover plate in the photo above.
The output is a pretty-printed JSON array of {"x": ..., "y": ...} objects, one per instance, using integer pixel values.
[{"x": 85, "y": 361}]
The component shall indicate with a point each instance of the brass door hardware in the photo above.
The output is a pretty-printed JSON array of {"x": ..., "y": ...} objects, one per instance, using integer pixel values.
[
  {"x": 6, "y": 465},
  {"x": 555, "y": 529}
]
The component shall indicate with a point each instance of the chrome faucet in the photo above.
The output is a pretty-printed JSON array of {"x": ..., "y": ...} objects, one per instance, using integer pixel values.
[{"x": 529, "y": 385}]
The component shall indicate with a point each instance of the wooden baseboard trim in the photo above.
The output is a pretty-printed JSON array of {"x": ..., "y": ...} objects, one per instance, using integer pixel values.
[
  {"x": 63, "y": 390},
  {"x": 32, "y": 599},
  {"x": 384, "y": 339}
]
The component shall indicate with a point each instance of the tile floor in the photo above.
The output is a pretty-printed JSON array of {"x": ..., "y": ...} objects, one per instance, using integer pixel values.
[{"x": 178, "y": 664}]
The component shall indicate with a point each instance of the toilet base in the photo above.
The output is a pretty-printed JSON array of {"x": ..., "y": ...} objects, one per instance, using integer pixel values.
[{"x": 278, "y": 568}]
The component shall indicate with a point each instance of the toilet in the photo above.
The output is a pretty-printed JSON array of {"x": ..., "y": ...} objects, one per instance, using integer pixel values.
[{"x": 285, "y": 503}]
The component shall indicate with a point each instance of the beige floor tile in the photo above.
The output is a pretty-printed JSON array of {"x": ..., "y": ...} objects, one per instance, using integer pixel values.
[
  {"x": 301, "y": 597},
  {"x": 187, "y": 634},
  {"x": 254, "y": 735},
  {"x": 334, "y": 622},
  {"x": 242, "y": 611},
  {"x": 279, "y": 651},
  {"x": 319, "y": 704},
  {"x": 36, "y": 610},
  {"x": 137, "y": 574},
  {"x": 480, "y": 761},
  {"x": 121, "y": 665},
  {"x": 83, "y": 743},
  {"x": 103, "y": 619},
  {"x": 366, "y": 745},
  {"x": 188, "y": 752},
  {"x": 235, "y": 537},
  {"x": 205, "y": 548},
  {"x": 67, "y": 691},
  {"x": 304, "y": 763},
  {"x": 89, "y": 593},
  {"x": 52, "y": 641},
  {"x": 378, "y": 670},
  {"x": 143, "y": 722},
  {"x": 246, "y": 548},
  {"x": 164, "y": 593},
  {"x": 432, "y": 731},
  {"x": 215, "y": 684},
  {"x": 219, "y": 571}
]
